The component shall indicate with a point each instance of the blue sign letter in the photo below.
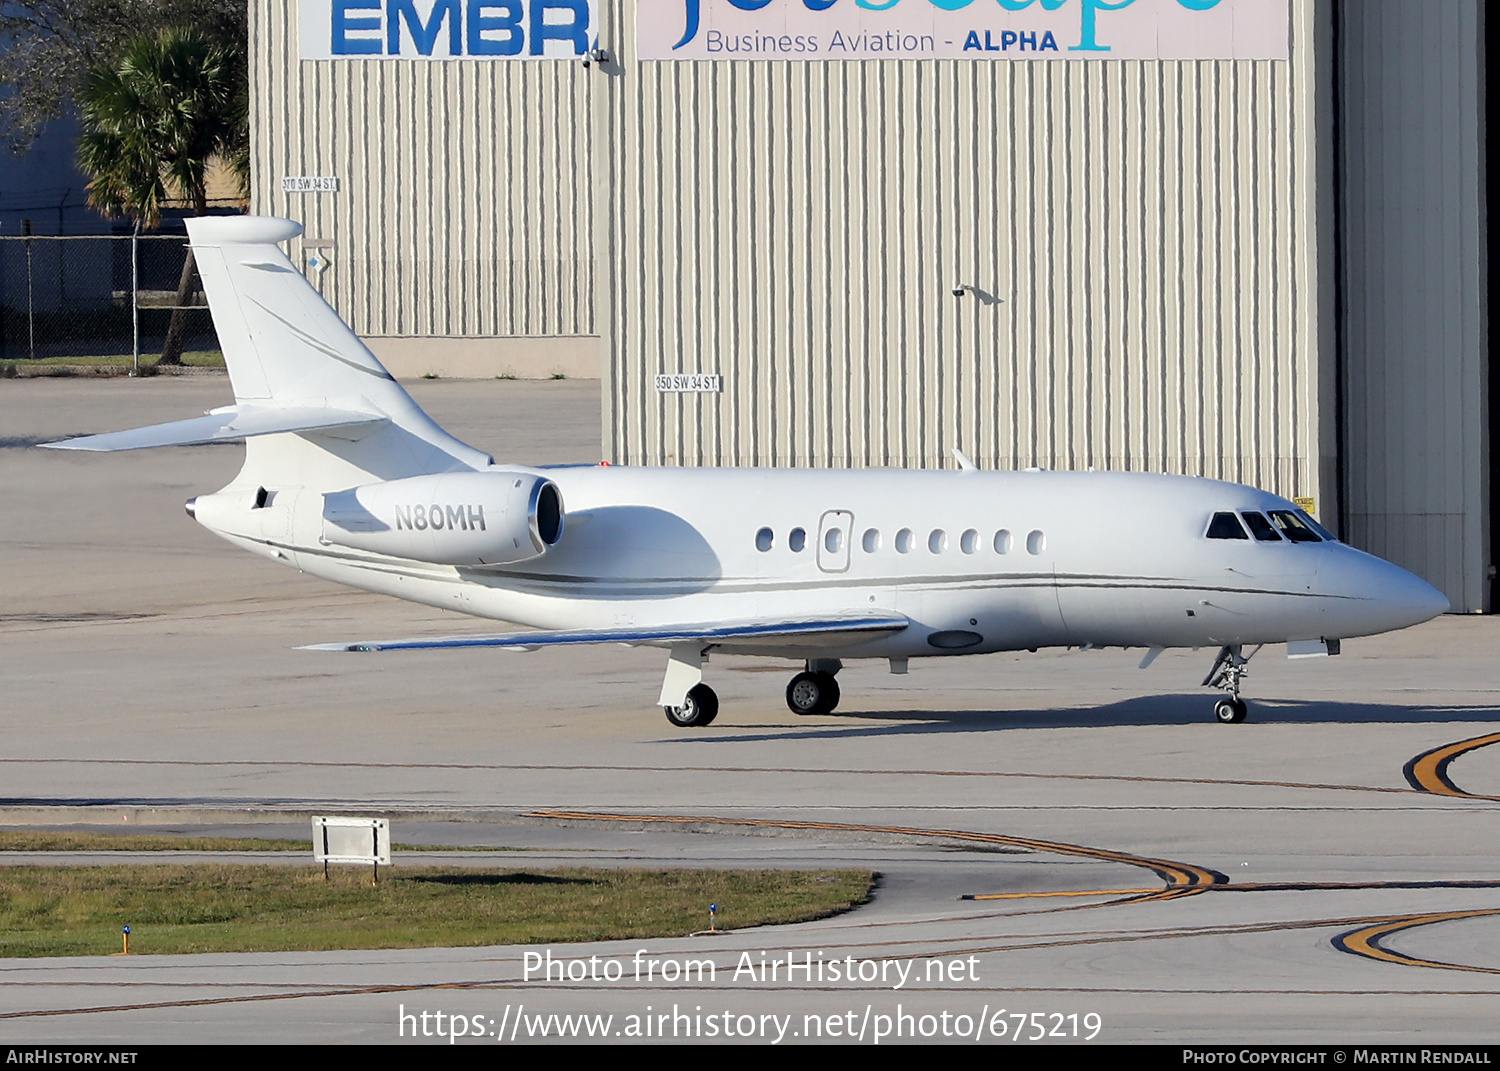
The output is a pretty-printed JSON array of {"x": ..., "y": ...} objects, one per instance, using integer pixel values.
[
  {"x": 510, "y": 25},
  {"x": 692, "y": 25},
  {"x": 341, "y": 43},
  {"x": 424, "y": 37},
  {"x": 1091, "y": 9},
  {"x": 575, "y": 30}
]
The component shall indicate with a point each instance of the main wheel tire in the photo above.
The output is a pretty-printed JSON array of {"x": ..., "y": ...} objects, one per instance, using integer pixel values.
[
  {"x": 1229, "y": 711},
  {"x": 699, "y": 707},
  {"x": 831, "y": 693},
  {"x": 812, "y": 693}
]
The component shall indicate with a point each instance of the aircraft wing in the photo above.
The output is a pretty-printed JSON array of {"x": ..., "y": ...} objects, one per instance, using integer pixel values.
[
  {"x": 795, "y": 632},
  {"x": 224, "y": 425}
]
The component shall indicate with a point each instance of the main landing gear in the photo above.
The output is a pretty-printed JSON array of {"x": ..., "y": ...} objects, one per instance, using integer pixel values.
[
  {"x": 815, "y": 691},
  {"x": 1228, "y": 672},
  {"x": 699, "y": 707}
]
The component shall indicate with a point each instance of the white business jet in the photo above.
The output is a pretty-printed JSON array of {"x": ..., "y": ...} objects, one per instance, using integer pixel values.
[{"x": 347, "y": 479}]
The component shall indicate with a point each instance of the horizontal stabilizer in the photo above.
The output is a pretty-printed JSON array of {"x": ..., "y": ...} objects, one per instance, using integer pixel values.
[
  {"x": 811, "y": 632},
  {"x": 227, "y": 425}
]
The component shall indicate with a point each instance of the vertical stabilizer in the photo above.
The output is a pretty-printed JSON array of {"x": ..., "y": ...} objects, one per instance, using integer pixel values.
[{"x": 286, "y": 348}]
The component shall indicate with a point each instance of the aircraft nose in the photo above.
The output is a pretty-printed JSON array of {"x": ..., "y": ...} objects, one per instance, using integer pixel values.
[
  {"x": 1389, "y": 597},
  {"x": 1419, "y": 598},
  {"x": 1409, "y": 596}
]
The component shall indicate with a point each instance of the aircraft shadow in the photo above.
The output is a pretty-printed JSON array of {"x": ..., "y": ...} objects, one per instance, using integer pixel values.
[
  {"x": 516, "y": 878},
  {"x": 1193, "y": 709}
]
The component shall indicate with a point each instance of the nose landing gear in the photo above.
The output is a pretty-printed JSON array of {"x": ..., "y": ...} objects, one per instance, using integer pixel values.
[{"x": 1227, "y": 672}]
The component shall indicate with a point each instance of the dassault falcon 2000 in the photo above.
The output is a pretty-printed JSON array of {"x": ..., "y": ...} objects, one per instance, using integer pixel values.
[{"x": 347, "y": 479}]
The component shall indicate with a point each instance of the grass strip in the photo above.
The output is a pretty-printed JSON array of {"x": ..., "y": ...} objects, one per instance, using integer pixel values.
[
  {"x": 79, "y": 911},
  {"x": 192, "y": 359}
]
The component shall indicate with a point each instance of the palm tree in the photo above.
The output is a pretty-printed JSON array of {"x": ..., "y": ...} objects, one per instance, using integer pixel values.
[{"x": 153, "y": 123}]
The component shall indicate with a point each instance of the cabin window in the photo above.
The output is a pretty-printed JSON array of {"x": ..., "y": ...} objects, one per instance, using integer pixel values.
[
  {"x": 1036, "y": 542},
  {"x": 903, "y": 541},
  {"x": 1226, "y": 526},
  {"x": 969, "y": 542},
  {"x": 872, "y": 540},
  {"x": 1292, "y": 527},
  {"x": 765, "y": 539},
  {"x": 833, "y": 540},
  {"x": 937, "y": 542},
  {"x": 796, "y": 539},
  {"x": 1002, "y": 541},
  {"x": 1261, "y": 528}
]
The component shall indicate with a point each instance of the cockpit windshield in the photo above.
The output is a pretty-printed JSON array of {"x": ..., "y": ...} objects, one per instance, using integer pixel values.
[
  {"x": 1294, "y": 527},
  {"x": 1306, "y": 519},
  {"x": 1261, "y": 528},
  {"x": 1226, "y": 526},
  {"x": 1272, "y": 526}
]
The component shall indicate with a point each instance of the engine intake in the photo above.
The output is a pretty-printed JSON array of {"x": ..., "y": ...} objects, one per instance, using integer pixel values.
[{"x": 455, "y": 518}]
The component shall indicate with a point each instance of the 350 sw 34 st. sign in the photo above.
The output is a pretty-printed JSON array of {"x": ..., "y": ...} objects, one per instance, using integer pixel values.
[{"x": 962, "y": 29}]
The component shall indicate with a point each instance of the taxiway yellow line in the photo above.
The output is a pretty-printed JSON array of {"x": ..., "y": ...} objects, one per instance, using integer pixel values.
[
  {"x": 1428, "y": 772},
  {"x": 1366, "y": 941},
  {"x": 1259, "y": 886},
  {"x": 1182, "y": 879}
]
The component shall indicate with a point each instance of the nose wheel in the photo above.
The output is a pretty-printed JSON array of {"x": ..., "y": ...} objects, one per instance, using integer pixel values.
[
  {"x": 1230, "y": 710},
  {"x": 699, "y": 707}
]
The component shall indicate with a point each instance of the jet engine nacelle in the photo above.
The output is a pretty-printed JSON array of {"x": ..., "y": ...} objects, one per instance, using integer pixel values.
[{"x": 455, "y": 518}]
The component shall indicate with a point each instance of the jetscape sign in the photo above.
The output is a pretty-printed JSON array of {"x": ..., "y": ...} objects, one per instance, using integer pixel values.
[{"x": 962, "y": 29}]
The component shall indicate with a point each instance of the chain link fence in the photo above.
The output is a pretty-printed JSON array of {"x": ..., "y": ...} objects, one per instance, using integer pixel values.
[{"x": 99, "y": 300}]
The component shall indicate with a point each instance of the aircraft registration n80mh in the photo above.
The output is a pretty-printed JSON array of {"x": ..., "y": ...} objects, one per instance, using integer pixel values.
[{"x": 347, "y": 479}]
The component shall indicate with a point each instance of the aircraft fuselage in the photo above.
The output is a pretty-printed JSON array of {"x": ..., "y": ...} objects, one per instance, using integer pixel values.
[{"x": 978, "y": 561}]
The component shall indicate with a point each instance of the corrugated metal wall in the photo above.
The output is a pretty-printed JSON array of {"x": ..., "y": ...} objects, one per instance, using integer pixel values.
[
  {"x": 1139, "y": 240},
  {"x": 1415, "y": 343},
  {"x": 466, "y": 198}
]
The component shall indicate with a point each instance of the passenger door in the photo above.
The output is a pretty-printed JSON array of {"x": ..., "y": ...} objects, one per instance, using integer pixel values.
[{"x": 835, "y": 532}]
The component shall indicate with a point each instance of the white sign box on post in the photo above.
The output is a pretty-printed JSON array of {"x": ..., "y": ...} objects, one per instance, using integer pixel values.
[{"x": 362, "y": 841}]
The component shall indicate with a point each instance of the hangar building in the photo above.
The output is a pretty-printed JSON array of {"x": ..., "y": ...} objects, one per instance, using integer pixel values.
[{"x": 1243, "y": 239}]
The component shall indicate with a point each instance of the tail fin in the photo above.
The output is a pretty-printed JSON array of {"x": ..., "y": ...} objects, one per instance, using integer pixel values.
[
  {"x": 282, "y": 344},
  {"x": 312, "y": 403},
  {"x": 285, "y": 348}
]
